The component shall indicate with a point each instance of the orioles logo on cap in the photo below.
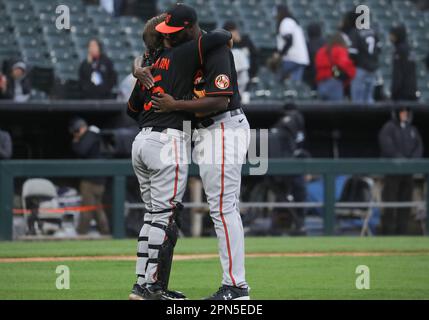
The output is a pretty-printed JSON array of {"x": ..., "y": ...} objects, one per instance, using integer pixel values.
[
  {"x": 168, "y": 18},
  {"x": 222, "y": 81}
]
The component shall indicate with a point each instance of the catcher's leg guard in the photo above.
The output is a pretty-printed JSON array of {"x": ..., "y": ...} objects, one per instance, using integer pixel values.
[{"x": 165, "y": 254}]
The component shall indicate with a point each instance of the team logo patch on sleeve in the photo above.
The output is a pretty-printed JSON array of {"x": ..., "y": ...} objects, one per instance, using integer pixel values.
[{"x": 222, "y": 82}]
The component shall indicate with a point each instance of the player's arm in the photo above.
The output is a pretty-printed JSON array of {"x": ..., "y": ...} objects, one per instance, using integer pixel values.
[
  {"x": 164, "y": 102},
  {"x": 212, "y": 40},
  {"x": 136, "y": 100},
  {"x": 218, "y": 88},
  {"x": 192, "y": 54}
]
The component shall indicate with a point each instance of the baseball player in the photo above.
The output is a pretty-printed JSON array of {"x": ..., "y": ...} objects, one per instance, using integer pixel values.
[
  {"x": 223, "y": 132},
  {"x": 159, "y": 151}
]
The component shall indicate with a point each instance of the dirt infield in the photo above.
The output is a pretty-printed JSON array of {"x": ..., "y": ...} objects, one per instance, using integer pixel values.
[{"x": 183, "y": 257}]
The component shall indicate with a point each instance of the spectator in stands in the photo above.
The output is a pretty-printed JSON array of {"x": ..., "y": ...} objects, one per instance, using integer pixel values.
[
  {"x": 291, "y": 45},
  {"x": 16, "y": 86},
  {"x": 245, "y": 57},
  {"x": 86, "y": 144},
  {"x": 97, "y": 76},
  {"x": 398, "y": 139},
  {"x": 314, "y": 43},
  {"x": 364, "y": 49},
  {"x": 404, "y": 79},
  {"x": 5, "y": 145},
  {"x": 334, "y": 69}
]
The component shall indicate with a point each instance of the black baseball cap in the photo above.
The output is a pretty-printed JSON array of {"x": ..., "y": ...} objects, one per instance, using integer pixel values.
[{"x": 178, "y": 17}]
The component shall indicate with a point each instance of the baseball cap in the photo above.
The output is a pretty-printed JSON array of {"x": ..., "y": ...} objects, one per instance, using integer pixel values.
[
  {"x": 177, "y": 18},
  {"x": 20, "y": 65}
]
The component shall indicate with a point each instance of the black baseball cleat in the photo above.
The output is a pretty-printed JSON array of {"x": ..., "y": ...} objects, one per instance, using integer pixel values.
[
  {"x": 172, "y": 295},
  {"x": 139, "y": 292},
  {"x": 230, "y": 293}
]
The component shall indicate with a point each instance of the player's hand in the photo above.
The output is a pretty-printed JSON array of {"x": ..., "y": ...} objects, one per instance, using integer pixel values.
[
  {"x": 163, "y": 102},
  {"x": 145, "y": 76}
]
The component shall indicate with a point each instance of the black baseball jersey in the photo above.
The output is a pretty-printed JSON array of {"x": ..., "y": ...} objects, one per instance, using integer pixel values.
[
  {"x": 173, "y": 72},
  {"x": 364, "y": 48},
  {"x": 219, "y": 77}
]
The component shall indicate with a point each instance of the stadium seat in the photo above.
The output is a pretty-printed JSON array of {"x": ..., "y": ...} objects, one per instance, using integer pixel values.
[
  {"x": 357, "y": 189},
  {"x": 123, "y": 67},
  {"x": 36, "y": 194},
  {"x": 14, "y": 7},
  {"x": 34, "y": 56},
  {"x": 44, "y": 7},
  {"x": 29, "y": 25}
]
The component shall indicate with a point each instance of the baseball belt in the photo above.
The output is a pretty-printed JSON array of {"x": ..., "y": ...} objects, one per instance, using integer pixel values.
[{"x": 207, "y": 122}]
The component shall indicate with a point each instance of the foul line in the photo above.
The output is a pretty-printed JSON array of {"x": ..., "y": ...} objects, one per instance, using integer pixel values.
[{"x": 185, "y": 257}]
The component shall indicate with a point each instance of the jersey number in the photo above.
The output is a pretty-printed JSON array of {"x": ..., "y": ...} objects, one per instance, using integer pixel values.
[{"x": 370, "y": 41}]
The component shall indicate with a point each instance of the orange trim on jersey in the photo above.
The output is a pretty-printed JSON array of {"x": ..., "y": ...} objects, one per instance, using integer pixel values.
[
  {"x": 199, "y": 50},
  {"x": 131, "y": 107},
  {"x": 176, "y": 178},
  {"x": 220, "y": 92},
  {"x": 222, "y": 187},
  {"x": 157, "y": 78}
]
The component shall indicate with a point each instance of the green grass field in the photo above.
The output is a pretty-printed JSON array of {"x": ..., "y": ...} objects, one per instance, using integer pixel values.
[{"x": 402, "y": 272}]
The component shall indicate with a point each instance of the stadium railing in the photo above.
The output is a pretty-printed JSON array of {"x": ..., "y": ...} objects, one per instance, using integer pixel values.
[{"x": 120, "y": 169}]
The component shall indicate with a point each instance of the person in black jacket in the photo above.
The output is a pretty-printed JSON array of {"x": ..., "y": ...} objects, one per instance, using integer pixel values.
[
  {"x": 398, "y": 139},
  {"x": 86, "y": 145},
  {"x": 404, "y": 80},
  {"x": 97, "y": 75},
  {"x": 16, "y": 85}
]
